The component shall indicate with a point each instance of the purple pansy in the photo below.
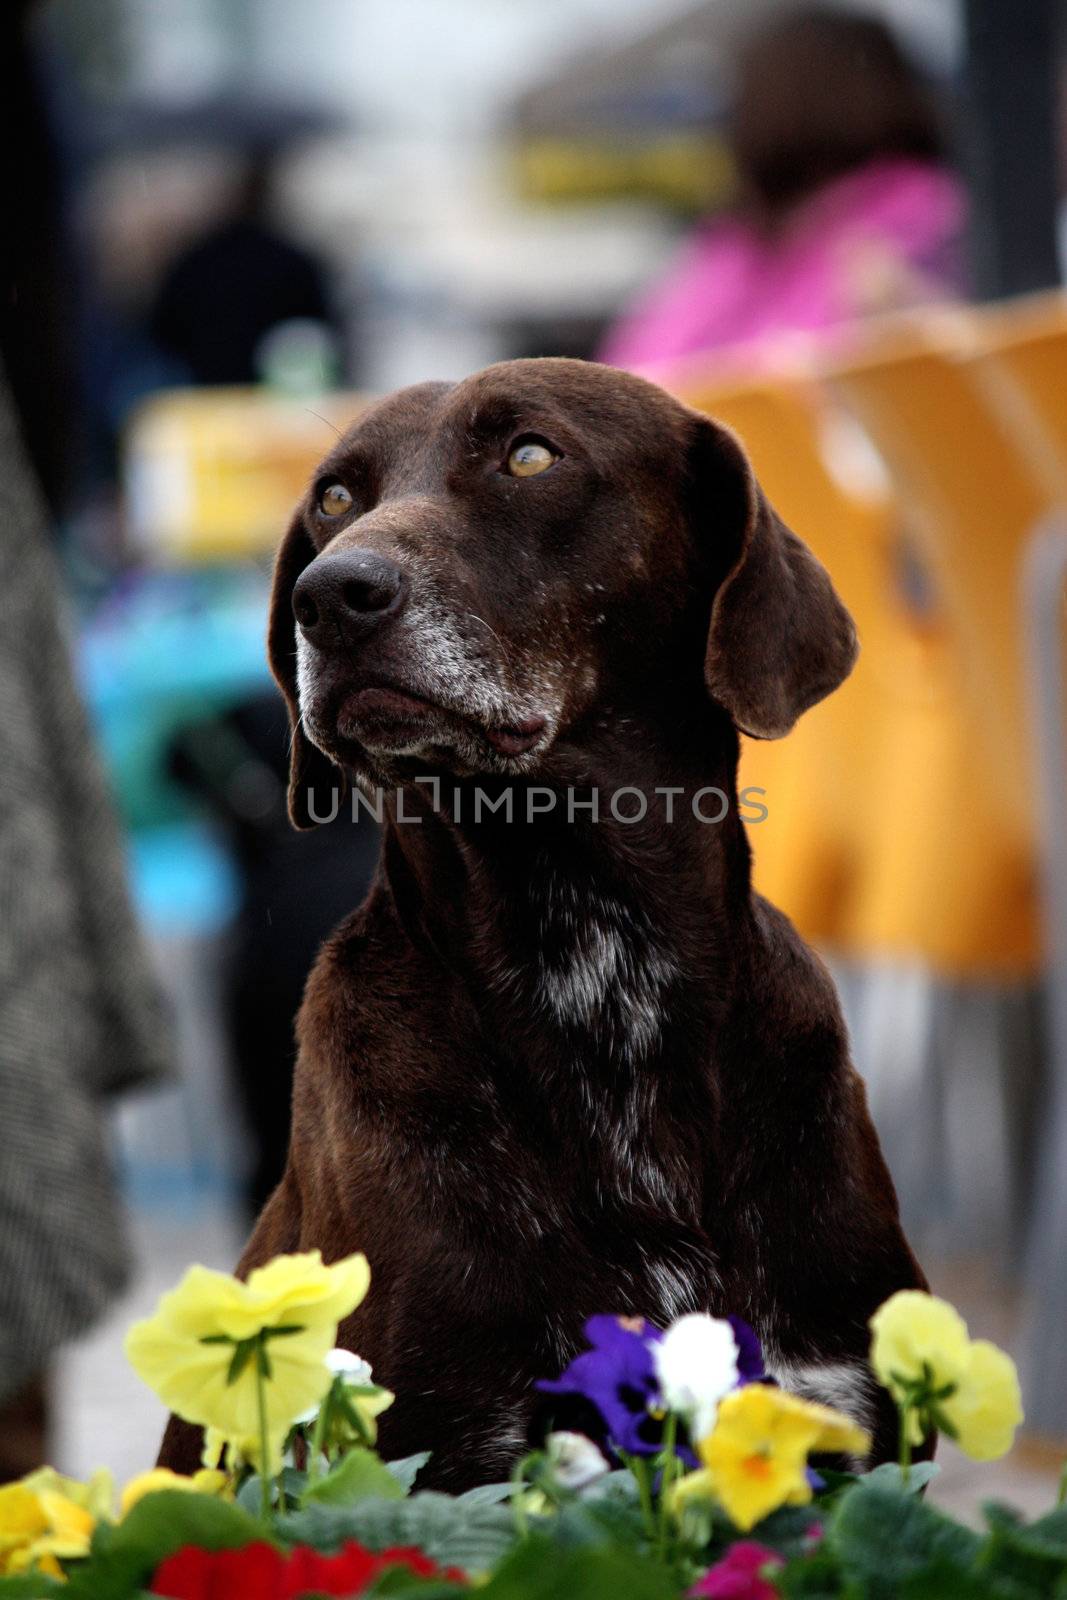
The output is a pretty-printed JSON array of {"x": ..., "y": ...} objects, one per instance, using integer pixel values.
[
  {"x": 618, "y": 1377},
  {"x": 749, "y": 1355}
]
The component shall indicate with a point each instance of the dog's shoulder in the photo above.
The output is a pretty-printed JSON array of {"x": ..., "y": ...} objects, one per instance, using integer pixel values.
[
  {"x": 379, "y": 1008},
  {"x": 797, "y": 999}
]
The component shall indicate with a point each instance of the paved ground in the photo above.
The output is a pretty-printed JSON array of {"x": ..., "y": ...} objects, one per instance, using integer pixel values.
[{"x": 109, "y": 1418}]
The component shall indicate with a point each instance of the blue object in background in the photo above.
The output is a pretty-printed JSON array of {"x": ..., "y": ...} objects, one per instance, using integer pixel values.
[{"x": 166, "y": 649}]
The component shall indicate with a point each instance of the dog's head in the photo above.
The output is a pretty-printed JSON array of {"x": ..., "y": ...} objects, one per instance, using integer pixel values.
[{"x": 482, "y": 572}]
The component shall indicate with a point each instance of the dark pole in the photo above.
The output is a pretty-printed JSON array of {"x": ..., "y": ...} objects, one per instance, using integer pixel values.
[{"x": 1009, "y": 91}]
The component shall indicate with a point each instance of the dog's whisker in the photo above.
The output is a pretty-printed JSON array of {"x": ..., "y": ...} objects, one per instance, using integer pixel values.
[{"x": 493, "y": 631}]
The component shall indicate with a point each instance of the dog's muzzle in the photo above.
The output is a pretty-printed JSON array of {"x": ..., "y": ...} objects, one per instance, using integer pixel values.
[{"x": 344, "y": 597}]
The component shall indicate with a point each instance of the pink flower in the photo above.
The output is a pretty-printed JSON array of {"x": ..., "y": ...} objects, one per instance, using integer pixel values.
[{"x": 742, "y": 1574}]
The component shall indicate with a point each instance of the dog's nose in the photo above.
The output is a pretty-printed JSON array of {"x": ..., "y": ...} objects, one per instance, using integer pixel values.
[{"x": 348, "y": 593}]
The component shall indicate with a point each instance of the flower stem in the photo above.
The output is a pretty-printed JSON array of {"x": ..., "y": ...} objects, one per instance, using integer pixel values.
[
  {"x": 1061, "y": 1497},
  {"x": 639, "y": 1467},
  {"x": 264, "y": 1439},
  {"x": 669, "y": 1460},
  {"x": 905, "y": 1442},
  {"x": 318, "y": 1436},
  {"x": 518, "y": 1490}
]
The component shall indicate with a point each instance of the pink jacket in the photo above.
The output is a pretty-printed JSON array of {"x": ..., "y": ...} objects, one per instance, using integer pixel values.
[{"x": 874, "y": 240}]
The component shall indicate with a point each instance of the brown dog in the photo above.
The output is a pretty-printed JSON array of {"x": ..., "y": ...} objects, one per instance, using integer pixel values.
[{"x": 563, "y": 1062}]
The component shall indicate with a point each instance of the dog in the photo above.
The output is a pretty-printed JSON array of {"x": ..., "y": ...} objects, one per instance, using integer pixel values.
[{"x": 563, "y": 1059}]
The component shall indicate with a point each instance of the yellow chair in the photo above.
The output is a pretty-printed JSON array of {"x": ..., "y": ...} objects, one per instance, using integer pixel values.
[
  {"x": 1020, "y": 354},
  {"x": 976, "y": 499},
  {"x": 808, "y": 852},
  {"x": 1021, "y": 359},
  {"x": 863, "y": 845}
]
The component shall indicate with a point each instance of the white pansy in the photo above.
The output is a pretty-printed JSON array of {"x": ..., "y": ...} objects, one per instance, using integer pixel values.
[
  {"x": 342, "y": 1364},
  {"x": 696, "y": 1364},
  {"x": 574, "y": 1459},
  {"x": 352, "y": 1368}
]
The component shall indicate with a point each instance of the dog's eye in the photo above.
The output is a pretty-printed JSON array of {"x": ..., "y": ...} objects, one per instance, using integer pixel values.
[
  {"x": 335, "y": 500},
  {"x": 528, "y": 457}
]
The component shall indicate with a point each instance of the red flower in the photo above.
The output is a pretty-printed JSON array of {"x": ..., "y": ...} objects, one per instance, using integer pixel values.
[
  {"x": 260, "y": 1572},
  {"x": 742, "y": 1574}
]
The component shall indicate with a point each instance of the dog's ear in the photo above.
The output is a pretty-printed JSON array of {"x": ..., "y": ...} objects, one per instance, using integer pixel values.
[
  {"x": 779, "y": 639},
  {"x": 308, "y": 767}
]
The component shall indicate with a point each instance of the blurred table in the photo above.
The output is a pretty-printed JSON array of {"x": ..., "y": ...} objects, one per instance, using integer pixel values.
[{"x": 213, "y": 474}]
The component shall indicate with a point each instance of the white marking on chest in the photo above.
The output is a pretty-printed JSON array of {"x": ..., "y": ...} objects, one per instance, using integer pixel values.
[{"x": 605, "y": 974}]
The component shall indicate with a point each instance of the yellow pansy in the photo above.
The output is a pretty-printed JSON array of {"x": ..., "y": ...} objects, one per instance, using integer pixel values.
[
  {"x": 987, "y": 1406},
  {"x": 95, "y": 1496},
  {"x": 940, "y": 1377},
  {"x": 213, "y": 1340},
  {"x": 837, "y": 1434},
  {"x": 915, "y": 1336},
  {"x": 755, "y": 1457},
  {"x": 369, "y": 1407},
  {"x": 202, "y": 1482},
  {"x": 39, "y": 1528}
]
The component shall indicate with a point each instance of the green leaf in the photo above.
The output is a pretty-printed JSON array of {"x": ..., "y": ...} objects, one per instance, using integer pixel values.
[
  {"x": 541, "y": 1570},
  {"x": 473, "y": 1537},
  {"x": 612, "y": 1486},
  {"x": 890, "y": 1476},
  {"x": 359, "y": 1475},
  {"x": 249, "y": 1495},
  {"x": 941, "y": 1580},
  {"x": 599, "y": 1522},
  {"x": 407, "y": 1469},
  {"x": 125, "y": 1555},
  {"x": 487, "y": 1494},
  {"x": 294, "y": 1481},
  {"x": 1029, "y": 1558},
  {"x": 242, "y": 1355},
  {"x": 882, "y": 1535},
  {"x": 815, "y": 1576},
  {"x": 29, "y": 1586},
  {"x": 788, "y": 1529},
  {"x": 1045, "y": 1539},
  {"x": 398, "y": 1580}
]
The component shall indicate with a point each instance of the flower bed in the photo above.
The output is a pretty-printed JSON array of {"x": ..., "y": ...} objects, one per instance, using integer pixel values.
[{"x": 699, "y": 1480}]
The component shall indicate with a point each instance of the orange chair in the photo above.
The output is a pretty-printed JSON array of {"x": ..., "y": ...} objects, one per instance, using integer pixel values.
[
  {"x": 808, "y": 851},
  {"x": 862, "y": 844},
  {"x": 976, "y": 498},
  {"x": 1021, "y": 360},
  {"x": 1020, "y": 355}
]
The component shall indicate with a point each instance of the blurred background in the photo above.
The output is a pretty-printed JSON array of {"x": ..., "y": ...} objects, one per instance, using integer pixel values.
[{"x": 231, "y": 222}]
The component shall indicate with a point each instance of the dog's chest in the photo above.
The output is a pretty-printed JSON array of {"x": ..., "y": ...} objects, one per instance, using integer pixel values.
[
  {"x": 593, "y": 967},
  {"x": 592, "y": 982}
]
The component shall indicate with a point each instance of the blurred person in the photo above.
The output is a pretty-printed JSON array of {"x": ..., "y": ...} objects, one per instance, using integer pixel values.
[
  {"x": 228, "y": 290},
  {"x": 39, "y": 266},
  {"x": 296, "y": 889},
  {"x": 845, "y": 205},
  {"x": 80, "y": 1015}
]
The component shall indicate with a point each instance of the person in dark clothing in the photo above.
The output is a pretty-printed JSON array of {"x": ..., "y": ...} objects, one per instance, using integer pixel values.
[
  {"x": 38, "y": 268},
  {"x": 224, "y": 293},
  {"x": 296, "y": 889}
]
